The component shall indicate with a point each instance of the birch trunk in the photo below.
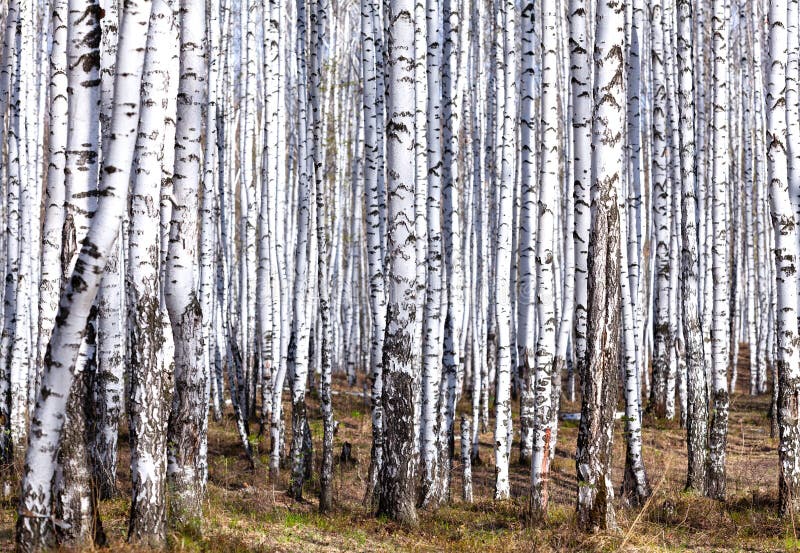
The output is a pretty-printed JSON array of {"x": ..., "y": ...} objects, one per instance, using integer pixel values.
[
  {"x": 396, "y": 478},
  {"x": 34, "y": 524},
  {"x": 785, "y": 226},
  {"x": 504, "y": 254},
  {"x": 581, "y": 88},
  {"x": 149, "y": 395},
  {"x": 599, "y": 396},
  {"x": 188, "y": 419},
  {"x": 375, "y": 227},
  {"x": 432, "y": 491},
  {"x": 696, "y": 405},
  {"x": 720, "y": 342},
  {"x": 549, "y": 184}
]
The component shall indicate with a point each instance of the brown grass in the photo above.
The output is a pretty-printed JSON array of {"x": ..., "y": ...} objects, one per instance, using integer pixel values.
[{"x": 247, "y": 512}]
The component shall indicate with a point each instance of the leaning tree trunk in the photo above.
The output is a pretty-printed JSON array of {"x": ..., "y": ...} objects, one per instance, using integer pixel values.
[
  {"x": 106, "y": 386},
  {"x": 34, "y": 525},
  {"x": 74, "y": 495},
  {"x": 599, "y": 387}
]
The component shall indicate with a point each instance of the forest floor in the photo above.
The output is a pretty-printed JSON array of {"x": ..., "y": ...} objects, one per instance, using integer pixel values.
[{"x": 247, "y": 512}]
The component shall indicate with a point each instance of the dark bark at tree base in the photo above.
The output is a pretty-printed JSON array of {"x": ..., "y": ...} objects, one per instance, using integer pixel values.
[
  {"x": 788, "y": 413},
  {"x": 149, "y": 402},
  {"x": 595, "y": 437},
  {"x": 634, "y": 492},
  {"x": 187, "y": 428},
  {"x": 298, "y": 453},
  {"x": 77, "y": 495},
  {"x": 717, "y": 443},
  {"x": 308, "y": 451},
  {"x": 396, "y": 479}
]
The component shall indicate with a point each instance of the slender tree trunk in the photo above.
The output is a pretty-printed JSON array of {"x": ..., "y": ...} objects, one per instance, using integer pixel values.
[
  {"x": 466, "y": 459},
  {"x": 52, "y": 240},
  {"x": 504, "y": 254},
  {"x": 661, "y": 217},
  {"x": 549, "y": 183},
  {"x": 635, "y": 486},
  {"x": 188, "y": 419},
  {"x": 323, "y": 275},
  {"x": 8, "y": 383},
  {"x": 375, "y": 227},
  {"x": 432, "y": 491},
  {"x": 581, "y": 85},
  {"x": 718, "y": 430},
  {"x": 696, "y": 405},
  {"x": 303, "y": 261},
  {"x": 526, "y": 309}
]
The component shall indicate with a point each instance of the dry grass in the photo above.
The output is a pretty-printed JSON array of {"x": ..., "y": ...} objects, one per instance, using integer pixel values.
[{"x": 247, "y": 512}]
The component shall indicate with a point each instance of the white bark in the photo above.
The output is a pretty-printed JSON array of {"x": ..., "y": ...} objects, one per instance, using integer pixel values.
[
  {"x": 595, "y": 437},
  {"x": 400, "y": 357},
  {"x": 549, "y": 184},
  {"x": 785, "y": 226},
  {"x": 34, "y": 530},
  {"x": 149, "y": 387},
  {"x": 720, "y": 342},
  {"x": 504, "y": 253},
  {"x": 188, "y": 420}
]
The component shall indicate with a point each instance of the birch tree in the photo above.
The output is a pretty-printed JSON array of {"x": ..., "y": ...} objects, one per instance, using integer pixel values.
[
  {"x": 662, "y": 195},
  {"x": 581, "y": 90},
  {"x": 34, "y": 524},
  {"x": 303, "y": 261},
  {"x": 9, "y": 430},
  {"x": 432, "y": 489},
  {"x": 785, "y": 226},
  {"x": 718, "y": 429},
  {"x": 397, "y": 472},
  {"x": 503, "y": 245},
  {"x": 148, "y": 395},
  {"x": 599, "y": 390},
  {"x": 375, "y": 225},
  {"x": 697, "y": 406},
  {"x": 549, "y": 184},
  {"x": 188, "y": 418}
]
